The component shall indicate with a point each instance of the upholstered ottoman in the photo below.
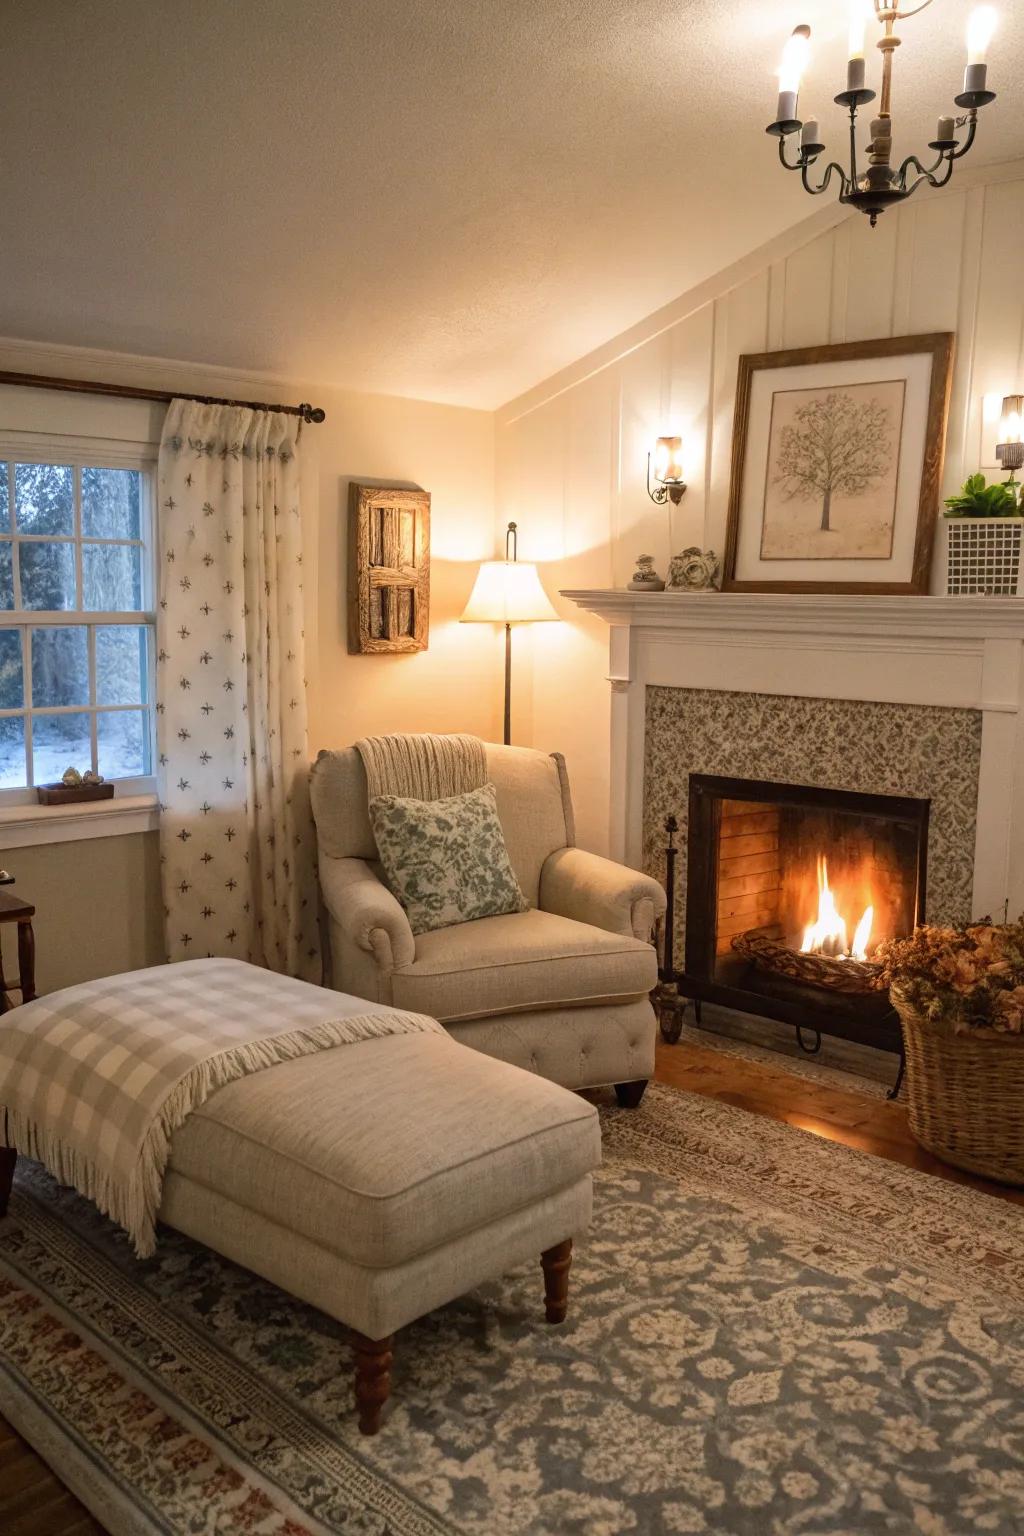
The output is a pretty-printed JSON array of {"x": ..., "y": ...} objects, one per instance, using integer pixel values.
[{"x": 381, "y": 1179}]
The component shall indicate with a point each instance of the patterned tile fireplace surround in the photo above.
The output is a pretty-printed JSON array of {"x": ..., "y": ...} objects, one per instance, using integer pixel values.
[{"x": 905, "y": 696}]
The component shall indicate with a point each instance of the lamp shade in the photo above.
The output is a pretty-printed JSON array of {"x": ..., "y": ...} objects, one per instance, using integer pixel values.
[{"x": 507, "y": 592}]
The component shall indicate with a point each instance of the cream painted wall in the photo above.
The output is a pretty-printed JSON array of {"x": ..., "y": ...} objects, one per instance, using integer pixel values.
[
  {"x": 455, "y": 684},
  {"x": 98, "y": 907},
  {"x": 572, "y": 454},
  {"x": 98, "y": 901}
]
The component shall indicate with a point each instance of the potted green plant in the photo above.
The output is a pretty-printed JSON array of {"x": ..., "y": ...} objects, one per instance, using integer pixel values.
[
  {"x": 983, "y": 542},
  {"x": 959, "y": 993}
]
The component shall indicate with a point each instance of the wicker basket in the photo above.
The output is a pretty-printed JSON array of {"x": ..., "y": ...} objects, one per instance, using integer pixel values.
[
  {"x": 983, "y": 556},
  {"x": 965, "y": 1094}
]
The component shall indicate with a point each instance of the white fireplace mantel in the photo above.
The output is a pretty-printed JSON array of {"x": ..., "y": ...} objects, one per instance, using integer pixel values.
[
  {"x": 823, "y": 616},
  {"x": 952, "y": 652}
]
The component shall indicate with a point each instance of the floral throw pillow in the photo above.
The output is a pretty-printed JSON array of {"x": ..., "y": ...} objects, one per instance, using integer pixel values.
[{"x": 446, "y": 860}]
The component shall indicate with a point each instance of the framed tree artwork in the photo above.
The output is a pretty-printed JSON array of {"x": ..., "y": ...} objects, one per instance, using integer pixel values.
[{"x": 837, "y": 465}]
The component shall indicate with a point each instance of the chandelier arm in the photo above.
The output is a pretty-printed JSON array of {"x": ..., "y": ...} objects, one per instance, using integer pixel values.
[
  {"x": 902, "y": 15},
  {"x": 832, "y": 166},
  {"x": 923, "y": 171},
  {"x": 853, "y": 145},
  {"x": 782, "y": 156},
  {"x": 972, "y": 128},
  {"x": 926, "y": 176}
]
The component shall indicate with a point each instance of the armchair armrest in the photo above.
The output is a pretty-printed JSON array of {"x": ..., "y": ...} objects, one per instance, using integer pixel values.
[
  {"x": 594, "y": 890},
  {"x": 366, "y": 912}
]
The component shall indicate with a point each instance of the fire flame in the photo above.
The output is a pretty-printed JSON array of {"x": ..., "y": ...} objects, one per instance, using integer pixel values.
[{"x": 827, "y": 935}]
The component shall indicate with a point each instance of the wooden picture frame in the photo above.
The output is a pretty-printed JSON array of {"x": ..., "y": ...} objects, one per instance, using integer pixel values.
[
  {"x": 860, "y": 425},
  {"x": 389, "y": 570}
]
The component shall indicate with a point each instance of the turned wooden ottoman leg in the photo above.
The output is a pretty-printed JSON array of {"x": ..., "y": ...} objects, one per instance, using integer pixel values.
[
  {"x": 8, "y": 1158},
  {"x": 555, "y": 1263},
  {"x": 373, "y": 1379}
]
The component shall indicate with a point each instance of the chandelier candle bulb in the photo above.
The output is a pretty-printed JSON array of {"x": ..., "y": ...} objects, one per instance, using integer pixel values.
[
  {"x": 946, "y": 131},
  {"x": 855, "y": 69},
  {"x": 980, "y": 28},
  {"x": 791, "y": 69},
  {"x": 811, "y": 136}
]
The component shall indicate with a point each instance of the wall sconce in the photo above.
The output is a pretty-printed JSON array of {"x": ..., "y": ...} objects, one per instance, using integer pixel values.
[
  {"x": 668, "y": 471},
  {"x": 1010, "y": 448}
]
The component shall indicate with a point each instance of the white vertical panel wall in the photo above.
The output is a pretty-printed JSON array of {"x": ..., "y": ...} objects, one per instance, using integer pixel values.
[{"x": 572, "y": 456}]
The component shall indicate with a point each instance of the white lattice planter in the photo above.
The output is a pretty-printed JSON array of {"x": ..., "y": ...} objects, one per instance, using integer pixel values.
[{"x": 983, "y": 556}]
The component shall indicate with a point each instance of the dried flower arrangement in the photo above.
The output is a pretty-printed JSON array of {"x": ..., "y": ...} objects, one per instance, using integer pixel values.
[{"x": 968, "y": 978}]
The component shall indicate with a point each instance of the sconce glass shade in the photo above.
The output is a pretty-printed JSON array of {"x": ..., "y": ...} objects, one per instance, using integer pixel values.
[
  {"x": 1010, "y": 447},
  {"x": 1011, "y": 421},
  {"x": 668, "y": 460},
  {"x": 507, "y": 592}
]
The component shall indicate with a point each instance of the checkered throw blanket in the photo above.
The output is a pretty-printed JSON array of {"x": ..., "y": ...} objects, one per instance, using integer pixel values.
[{"x": 94, "y": 1079}]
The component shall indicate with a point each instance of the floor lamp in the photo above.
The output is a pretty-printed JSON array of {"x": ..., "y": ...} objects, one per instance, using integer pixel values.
[{"x": 508, "y": 592}]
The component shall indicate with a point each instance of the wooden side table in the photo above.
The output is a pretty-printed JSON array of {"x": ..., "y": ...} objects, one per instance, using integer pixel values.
[{"x": 14, "y": 910}]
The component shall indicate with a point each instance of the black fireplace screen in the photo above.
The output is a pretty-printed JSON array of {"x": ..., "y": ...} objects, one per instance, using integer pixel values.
[{"x": 789, "y": 891}]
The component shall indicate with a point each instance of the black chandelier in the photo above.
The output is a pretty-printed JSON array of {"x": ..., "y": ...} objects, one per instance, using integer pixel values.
[{"x": 880, "y": 185}]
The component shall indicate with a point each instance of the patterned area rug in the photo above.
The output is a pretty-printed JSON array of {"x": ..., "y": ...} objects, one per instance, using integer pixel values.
[{"x": 768, "y": 1334}]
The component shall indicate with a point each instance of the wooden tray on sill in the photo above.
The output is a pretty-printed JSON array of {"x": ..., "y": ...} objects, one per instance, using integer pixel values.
[{"x": 73, "y": 794}]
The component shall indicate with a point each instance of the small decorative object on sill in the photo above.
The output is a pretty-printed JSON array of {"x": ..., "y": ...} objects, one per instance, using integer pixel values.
[
  {"x": 959, "y": 993},
  {"x": 6, "y": 878},
  {"x": 645, "y": 577},
  {"x": 695, "y": 570},
  {"x": 984, "y": 530},
  {"x": 75, "y": 788},
  {"x": 838, "y": 974}
]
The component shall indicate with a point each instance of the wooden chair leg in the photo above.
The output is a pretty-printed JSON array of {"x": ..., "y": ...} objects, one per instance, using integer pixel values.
[
  {"x": 555, "y": 1263},
  {"x": 373, "y": 1379},
  {"x": 8, "y": 1158}
]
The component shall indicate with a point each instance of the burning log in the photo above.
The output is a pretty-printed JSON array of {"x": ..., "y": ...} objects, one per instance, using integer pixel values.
[{"x": 812, "y": 968}]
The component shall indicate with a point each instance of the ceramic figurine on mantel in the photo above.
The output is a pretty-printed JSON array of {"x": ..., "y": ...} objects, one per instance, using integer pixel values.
[
  {"x": 695, "y": 570},
  {"x": 645, "y": 577}
]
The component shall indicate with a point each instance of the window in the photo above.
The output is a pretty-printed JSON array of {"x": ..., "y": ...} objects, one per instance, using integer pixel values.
[{"x": 76, "y": 621}]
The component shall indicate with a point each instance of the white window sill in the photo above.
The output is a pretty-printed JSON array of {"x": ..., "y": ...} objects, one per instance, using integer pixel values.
[{"x": 28, "y": 826}]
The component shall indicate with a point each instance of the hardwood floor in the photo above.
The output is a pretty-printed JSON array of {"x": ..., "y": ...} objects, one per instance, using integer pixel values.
[
  {"x": 33, "y": 1502},
  {"x": 870, "y": 1125}
]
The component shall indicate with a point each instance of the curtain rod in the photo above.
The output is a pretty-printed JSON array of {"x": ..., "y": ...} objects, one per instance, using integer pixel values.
[{"x": 311, "y": 414}]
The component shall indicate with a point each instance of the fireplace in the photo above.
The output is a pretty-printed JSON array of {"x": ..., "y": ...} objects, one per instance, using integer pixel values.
[{"x": 789, "y": 891}]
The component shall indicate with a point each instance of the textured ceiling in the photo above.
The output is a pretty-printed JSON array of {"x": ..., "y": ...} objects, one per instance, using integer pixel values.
[{"x": 443, "y": 198}]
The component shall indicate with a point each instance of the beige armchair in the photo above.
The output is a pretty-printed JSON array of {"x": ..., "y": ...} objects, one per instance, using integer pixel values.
[{"x": 561, "y": 989}]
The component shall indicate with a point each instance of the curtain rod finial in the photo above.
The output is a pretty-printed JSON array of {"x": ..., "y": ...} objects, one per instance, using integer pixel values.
[{"x": 312, "y": 414}]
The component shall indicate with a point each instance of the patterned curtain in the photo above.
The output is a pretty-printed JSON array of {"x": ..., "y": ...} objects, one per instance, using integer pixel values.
[{"x": 236, "y": 836}]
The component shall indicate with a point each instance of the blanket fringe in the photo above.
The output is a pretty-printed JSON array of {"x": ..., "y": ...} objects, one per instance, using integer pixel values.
[
  {"x": 423, "y": 766},
  {"x": 134, "y": 1205}
]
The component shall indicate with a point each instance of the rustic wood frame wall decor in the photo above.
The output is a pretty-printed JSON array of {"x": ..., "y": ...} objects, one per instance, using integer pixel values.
[
  {"x": 389, "y": 570},
  {"x": 900, "y": 405}
]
